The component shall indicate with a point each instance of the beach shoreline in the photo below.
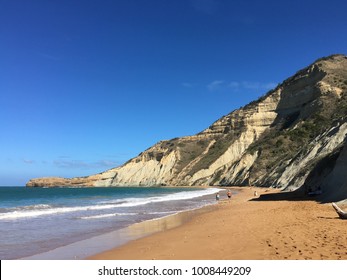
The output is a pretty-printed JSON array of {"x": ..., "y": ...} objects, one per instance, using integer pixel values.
[
  {"x": 242, "y": 228},
  {"x": 68, "y": 218},
  {"x": 88, "y": 247}
]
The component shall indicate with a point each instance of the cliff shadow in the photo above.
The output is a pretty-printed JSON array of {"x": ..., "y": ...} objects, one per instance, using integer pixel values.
[{"x": 297, "y": 195}]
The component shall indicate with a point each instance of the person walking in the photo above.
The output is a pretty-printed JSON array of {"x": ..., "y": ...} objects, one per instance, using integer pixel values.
[
  {"x": 217, "y": 196},
  {"x": 229, "y": 194}
]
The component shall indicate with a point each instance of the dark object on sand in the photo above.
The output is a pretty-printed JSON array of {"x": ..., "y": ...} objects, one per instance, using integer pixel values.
[{"x": 342, "y": 214}]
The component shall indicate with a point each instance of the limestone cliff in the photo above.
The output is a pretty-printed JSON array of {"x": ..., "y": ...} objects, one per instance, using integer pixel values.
[{"x": 291, "y": 137}]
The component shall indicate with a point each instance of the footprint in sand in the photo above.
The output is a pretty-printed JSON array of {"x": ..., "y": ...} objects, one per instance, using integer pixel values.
[{"x": 268, "y": 243}]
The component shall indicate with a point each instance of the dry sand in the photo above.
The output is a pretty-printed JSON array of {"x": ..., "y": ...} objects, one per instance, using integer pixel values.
[{"x": 243, "y": 228}]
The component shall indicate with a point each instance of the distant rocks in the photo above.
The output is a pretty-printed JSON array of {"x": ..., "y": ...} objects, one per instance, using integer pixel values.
[{"x": 61, "y": 182}]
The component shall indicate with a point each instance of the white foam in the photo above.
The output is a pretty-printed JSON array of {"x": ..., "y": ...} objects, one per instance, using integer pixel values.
[
  {"x": 42, "y": 209},
  {"x": 37, "y": 206},
  {"x": 169, "y": 197},
  {"x": 108, "y": 215}
]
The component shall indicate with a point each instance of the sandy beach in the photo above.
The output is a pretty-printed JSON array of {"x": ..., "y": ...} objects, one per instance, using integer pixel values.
[{"x": 246, "y": 228}]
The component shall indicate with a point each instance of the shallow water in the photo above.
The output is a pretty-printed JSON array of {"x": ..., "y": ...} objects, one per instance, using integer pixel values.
[{"x": 37, "y": 220}]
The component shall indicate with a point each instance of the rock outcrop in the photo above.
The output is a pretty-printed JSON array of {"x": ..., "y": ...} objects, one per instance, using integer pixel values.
[{"x": 292, "y": 137}]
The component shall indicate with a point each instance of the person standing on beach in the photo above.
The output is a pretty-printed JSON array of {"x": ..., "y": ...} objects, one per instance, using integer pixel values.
[
  {"x": 217, "y": 196},
  {"x": 229, "y": 194}
]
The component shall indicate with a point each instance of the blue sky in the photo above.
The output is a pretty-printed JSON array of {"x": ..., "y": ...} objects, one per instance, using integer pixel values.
[{"x": 87, "y": 85}]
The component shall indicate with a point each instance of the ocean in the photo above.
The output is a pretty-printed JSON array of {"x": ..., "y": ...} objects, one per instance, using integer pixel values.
[{"x": 38, "y": 220}]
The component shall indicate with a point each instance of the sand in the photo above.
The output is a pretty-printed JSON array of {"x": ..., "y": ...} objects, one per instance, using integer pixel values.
[{"x": 246, "y": 229}]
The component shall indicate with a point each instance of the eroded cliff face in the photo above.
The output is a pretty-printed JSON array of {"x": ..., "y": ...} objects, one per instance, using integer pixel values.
[{"x": 279, "y": 140}]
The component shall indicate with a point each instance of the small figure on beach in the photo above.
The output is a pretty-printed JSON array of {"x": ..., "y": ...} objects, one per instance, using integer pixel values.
[
  {"x": 255, "y": 193},
  {"x": 229, "y": 194},
  {"x": 217, "y": 196}
]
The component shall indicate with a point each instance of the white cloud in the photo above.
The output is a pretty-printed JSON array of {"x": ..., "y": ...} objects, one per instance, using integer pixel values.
[
  {"x": 215, "y": 85},
  {"x": 70, "y": 164},
  {"x": 28, "y": 161},
  {"x": 257, "y": 85},
  {"x": 80, "y": 164},
  {"x": 107, "y": 163},
  {"x": 234, "y": 85},
  {"x": 240, "y": 85}
]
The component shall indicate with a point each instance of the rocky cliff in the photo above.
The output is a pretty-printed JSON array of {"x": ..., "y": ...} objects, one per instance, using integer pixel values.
[{"x": 292, "y": 137}]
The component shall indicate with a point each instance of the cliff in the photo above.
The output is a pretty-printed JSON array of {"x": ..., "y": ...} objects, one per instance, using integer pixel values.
[{"x": 292, "y": 137}]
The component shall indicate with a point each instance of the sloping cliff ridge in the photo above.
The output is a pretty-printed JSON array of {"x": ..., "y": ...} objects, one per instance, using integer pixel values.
[{"x": 292, "y": 137}]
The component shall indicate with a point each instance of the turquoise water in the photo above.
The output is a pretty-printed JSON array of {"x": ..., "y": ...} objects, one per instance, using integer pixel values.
[{"x": 36, "y": 220}]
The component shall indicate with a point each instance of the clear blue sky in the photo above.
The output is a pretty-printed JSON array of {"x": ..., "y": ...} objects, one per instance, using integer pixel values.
[{"x": 87, "y": 84}]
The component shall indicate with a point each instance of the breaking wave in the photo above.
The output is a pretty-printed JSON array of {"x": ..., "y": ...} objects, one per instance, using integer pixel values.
[{"x": 38, "y": 210}]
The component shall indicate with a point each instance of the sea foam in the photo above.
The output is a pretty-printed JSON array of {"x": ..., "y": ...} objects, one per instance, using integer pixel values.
[{"x": 37, "y": 210}]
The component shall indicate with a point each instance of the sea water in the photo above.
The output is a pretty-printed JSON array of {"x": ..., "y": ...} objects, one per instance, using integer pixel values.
[{"x": 37, "y": 220}]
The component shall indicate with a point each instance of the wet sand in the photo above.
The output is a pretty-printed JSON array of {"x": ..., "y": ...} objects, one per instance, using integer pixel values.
[{"x": 244, "y": 228}]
